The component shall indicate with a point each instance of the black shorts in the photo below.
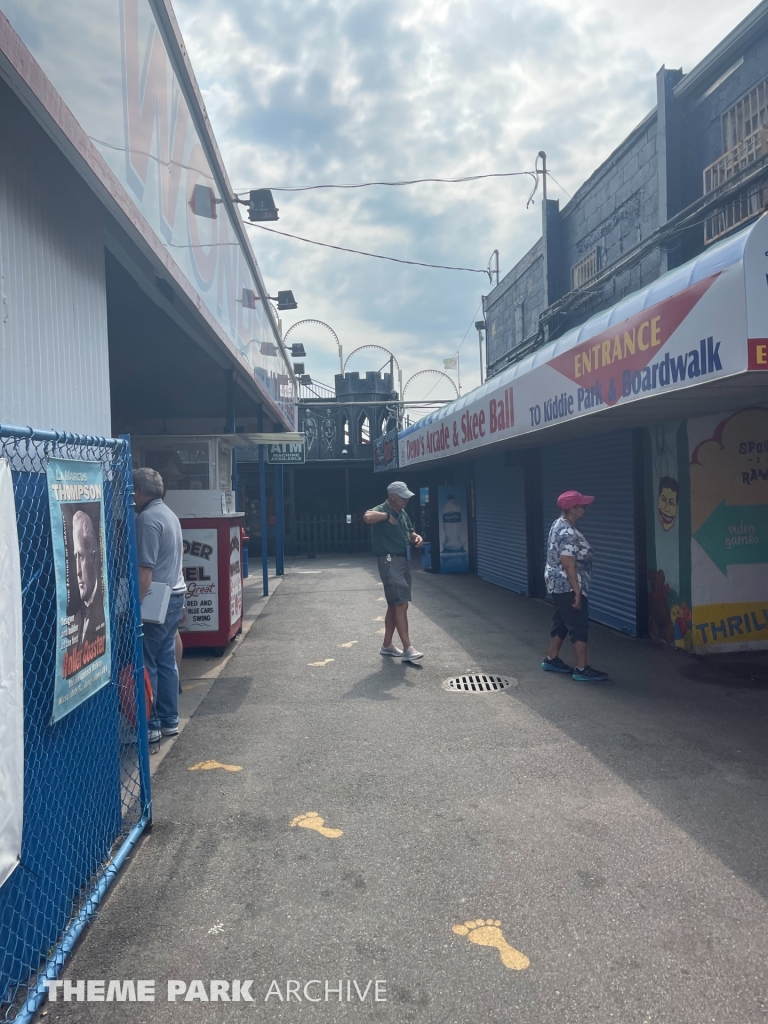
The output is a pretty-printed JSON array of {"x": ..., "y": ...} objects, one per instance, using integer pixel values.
[
  {"x": 568, "y": 619},
  {"x": 395, "y": 572}
]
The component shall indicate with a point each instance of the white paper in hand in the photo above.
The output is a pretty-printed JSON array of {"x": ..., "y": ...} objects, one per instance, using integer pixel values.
[{"x": 154, "y": 607}]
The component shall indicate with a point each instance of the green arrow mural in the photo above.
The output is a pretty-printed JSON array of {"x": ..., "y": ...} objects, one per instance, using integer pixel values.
[{"x": 735, "y": 535}]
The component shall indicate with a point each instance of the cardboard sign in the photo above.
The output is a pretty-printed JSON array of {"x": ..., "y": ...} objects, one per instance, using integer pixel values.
[
  {"x": 11, "y": 683},
  {"x": 200, "y": 565}
]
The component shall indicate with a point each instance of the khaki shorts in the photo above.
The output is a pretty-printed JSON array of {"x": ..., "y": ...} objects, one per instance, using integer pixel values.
[{"x": 395, "y": 572}]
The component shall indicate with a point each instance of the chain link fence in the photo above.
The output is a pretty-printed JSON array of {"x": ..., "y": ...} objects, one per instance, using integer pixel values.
[{"x": 86, "y": 776}]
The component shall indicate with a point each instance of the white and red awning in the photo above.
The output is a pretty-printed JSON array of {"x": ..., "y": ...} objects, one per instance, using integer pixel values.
[{"x": 701, "y": 323}]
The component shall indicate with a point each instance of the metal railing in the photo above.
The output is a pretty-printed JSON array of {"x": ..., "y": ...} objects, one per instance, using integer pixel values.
[
  {"x": 316, "y": 390},
  {"x": 753, "y": 148},
  {"x": 331, "y": 533},
  {"x": 749, "y": 151}
]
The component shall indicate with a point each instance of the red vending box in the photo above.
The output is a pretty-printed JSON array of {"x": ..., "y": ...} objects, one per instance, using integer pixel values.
[{"x": 213, "y": 572}]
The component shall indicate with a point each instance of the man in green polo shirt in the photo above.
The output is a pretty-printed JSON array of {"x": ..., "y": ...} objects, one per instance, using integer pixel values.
[{"x": 392, "y": 533}]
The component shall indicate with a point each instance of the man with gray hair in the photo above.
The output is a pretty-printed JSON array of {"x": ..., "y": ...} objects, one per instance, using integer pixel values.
[
  {"x": 87, "y": 554},
  {"x": 392, "y": 533},
  {"x": 159, "y": 547}
]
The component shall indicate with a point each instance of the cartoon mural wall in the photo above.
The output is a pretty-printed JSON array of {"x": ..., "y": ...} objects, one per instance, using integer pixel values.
[
  {"x": 669, "y": 598},
  {"x": 707, "y": 532},
  {"x": 729, "y": 525}
]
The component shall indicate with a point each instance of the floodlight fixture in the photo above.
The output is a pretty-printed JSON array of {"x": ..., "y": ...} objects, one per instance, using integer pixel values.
[
  {"x": 261, "y": 205},
  {"x": 203, "y": 202}
]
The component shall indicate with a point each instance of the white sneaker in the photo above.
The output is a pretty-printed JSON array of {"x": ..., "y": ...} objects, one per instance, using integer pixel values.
[
  {"x": 155, "y": 735},
  {"x": 412, "y": 654},
  {"x": 392, "y": 651}
]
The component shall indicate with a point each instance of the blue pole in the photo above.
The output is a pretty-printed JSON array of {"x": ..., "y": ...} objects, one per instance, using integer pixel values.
[
  {"x": 280, "y": 523},
  {"x": 138, "y": 650},
  {"x": 263, "y": 503}
]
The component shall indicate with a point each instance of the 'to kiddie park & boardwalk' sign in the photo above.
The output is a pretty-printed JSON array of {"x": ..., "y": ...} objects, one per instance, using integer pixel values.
[{"x": 705, "y": 320}]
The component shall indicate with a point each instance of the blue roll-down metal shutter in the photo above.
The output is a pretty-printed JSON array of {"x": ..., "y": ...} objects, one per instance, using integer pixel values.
[
  {"x": 603, "y": 466},
  {"x": 500, "y": 524}
]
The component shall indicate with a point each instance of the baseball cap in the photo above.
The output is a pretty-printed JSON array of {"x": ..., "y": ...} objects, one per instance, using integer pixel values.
[
  {"x": 398, "y": 487},
  {"x": 570, "y": 498}
]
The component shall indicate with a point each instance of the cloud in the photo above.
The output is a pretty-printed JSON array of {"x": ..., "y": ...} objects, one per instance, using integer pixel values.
[{"x": 311, "y": 91}]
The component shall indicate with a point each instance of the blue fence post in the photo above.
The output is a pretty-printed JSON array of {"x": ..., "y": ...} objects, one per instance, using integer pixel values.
[
  {"x": 263, "y": 503},
  {"x": 138, "y": 657},
  {"x": 279, "y": 523}
]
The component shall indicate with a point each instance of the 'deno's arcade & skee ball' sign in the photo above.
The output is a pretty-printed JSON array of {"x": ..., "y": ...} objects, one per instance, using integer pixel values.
[{"x": 713, "y": 325}]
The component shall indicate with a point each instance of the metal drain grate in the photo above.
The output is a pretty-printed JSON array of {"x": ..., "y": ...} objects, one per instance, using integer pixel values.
[{"x": 478, "y": 682}]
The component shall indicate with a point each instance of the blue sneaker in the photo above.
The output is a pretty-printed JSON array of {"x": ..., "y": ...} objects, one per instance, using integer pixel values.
[
  {"x": 589, "y": 675},
  {"x": 556, "y": 665}
]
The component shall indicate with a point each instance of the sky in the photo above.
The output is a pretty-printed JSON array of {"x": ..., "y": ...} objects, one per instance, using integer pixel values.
[{"x": 305, "y": 92}]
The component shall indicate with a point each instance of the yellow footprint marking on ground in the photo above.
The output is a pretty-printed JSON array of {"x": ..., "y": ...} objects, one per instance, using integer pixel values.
[
  {"x": 313, "y": 820},
  {"x": 320, "y": 664},
  {"x": 350, "y": 644},
  {"x": 205, "y": 766},
  {"x": 382, "y": 631},
  {"x": 488, "y": 933},
  {"x": 381, "y": 599},
  {"x": 379, "y": 618}
]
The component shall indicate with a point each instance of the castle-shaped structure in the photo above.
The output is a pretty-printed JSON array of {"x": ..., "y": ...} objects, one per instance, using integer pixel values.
[{"x": 344, "y": 428}]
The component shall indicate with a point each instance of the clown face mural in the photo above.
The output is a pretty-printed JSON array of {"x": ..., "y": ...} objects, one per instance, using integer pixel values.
[{"x": 669, "y": 494}]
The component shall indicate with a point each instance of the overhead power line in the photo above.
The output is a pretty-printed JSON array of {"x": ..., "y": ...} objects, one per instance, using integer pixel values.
[
  {"x": 472, "y": 324},
  {"x": 392, "y": 184},
  {"x": 551, "y": 175},
  {"x": 359, "y": 252}
]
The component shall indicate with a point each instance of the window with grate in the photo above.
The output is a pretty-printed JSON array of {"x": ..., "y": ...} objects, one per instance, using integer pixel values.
[
  {"x": 746, "y": 116},
  {"x": 364, "y": 435},
  {"x": 583, "y": 271}
]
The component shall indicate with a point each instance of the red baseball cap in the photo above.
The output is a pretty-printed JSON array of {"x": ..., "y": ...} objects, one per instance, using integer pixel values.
[{"x": 570, "y": 498}]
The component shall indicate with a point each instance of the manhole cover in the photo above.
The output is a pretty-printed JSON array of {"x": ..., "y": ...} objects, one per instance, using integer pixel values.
[{"x": 478, "y": 682}]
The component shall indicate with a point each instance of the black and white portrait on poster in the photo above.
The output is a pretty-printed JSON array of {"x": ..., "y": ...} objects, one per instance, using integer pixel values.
[{"x": 76, "y": 500}]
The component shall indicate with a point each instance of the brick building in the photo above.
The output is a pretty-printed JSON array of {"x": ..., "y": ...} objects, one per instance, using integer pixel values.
[{"x": 693, "y": 171}]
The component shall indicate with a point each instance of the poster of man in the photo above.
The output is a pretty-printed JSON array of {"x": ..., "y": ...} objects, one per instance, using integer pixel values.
[
  {"x": 85, "y": 587},
  {"x": 76, "y": 501}
]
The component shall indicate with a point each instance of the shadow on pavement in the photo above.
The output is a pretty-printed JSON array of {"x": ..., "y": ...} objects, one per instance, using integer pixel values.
[
  {"x": 688, "y": 735},
  {"x": 379, "y": 685}
]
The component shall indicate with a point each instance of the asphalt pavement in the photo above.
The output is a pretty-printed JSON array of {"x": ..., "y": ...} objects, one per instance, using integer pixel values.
[{"x": 553, "y": 853}]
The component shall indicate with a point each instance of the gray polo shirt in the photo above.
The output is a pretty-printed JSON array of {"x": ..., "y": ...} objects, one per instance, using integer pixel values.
[{"x": 159, "y": 544}]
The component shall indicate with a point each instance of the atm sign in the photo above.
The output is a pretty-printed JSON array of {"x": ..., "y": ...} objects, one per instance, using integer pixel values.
[
  {"x": 287, "y": 454},
  {"x": 758, "y": 353}
]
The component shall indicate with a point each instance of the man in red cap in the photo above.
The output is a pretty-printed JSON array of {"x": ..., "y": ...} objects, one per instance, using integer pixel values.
[{"x": 567, "y": 573}]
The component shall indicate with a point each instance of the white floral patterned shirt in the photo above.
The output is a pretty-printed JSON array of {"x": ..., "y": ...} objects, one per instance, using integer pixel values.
[{"x": 565, "y": 539}]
